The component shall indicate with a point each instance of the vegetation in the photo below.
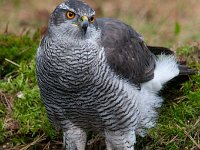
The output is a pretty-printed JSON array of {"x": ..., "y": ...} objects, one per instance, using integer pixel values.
[
  {"x": 23, "y": 121},
  {"x": 23, "y": 115}
]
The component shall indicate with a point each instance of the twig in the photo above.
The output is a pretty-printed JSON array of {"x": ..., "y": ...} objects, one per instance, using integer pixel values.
[
  {"x": 24, "y": 50},
  {"x": 173, "y": 139},
  {"x": 179, "y": 99},
  {"x": 12, "y": 62},
  {"x": 192, "y": 139},
  {"x": 39, "y": 139},
  {"x": 47, "y": 146},
  {"x": 187, "y": 134},
  {"x": 198, "y": 120},
  {"x": 6, "y": 100}
]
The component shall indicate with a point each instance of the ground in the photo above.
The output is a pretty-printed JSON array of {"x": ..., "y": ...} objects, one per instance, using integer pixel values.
[{"x": 23, "y": 121}]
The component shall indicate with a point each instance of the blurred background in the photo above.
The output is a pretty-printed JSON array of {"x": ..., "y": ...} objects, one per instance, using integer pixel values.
[{"x": 161, "y": 22}]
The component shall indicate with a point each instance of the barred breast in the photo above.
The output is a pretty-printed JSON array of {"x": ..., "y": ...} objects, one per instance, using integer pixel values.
[{"x": 76, "y": 84}]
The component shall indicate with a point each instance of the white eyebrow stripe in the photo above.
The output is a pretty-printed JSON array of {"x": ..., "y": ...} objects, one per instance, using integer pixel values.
[{"x": 64, "y": 6}]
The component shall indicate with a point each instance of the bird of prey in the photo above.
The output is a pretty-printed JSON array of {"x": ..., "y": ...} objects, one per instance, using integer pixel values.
[{"x": 99, "y": 75}]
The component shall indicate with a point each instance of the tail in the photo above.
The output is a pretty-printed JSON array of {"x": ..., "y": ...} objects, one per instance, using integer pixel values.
[
  {"x": 167, "y": 69},
  {"x": 183, "y": 69}
]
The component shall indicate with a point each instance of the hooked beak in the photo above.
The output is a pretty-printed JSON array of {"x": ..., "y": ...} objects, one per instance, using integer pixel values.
[{"x": 84, "y": 23}]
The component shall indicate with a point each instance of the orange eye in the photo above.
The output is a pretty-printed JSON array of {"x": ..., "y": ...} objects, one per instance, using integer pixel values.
[
  {"x": 92, "y": 19},
  {"x": 70, "y": 15}
]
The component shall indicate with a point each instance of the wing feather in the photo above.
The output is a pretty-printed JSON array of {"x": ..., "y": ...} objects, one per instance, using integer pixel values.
[{"x": 126, "y": 51}]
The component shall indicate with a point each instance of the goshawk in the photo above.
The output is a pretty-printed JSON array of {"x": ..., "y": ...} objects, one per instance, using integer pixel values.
[{"x": 99, "y": 75}]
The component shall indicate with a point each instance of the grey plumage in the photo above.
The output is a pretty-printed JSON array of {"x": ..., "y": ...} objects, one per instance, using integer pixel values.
[{"x": 101, "y": 79}]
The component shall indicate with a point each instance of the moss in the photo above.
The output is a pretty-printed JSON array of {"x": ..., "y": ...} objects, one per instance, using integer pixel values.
[
  {"x": 2, "y": 130},
  {"x": 16, "y": 49},
  {"x": 178, "y": 121},
  {"x": 28, "y": 109}
]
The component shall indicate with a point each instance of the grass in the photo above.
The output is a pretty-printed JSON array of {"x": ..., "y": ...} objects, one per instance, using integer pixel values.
[
  {"x": 23, "y": 120},
  {"x": 27, "y": 113},
  {"x": 17, "y": 48},
  {"x": 179, "y": 124}
]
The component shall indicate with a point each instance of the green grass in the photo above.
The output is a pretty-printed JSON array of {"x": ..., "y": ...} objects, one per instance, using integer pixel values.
[
  {"x": 177, "y": 127},
  {"x": 20, "y": 83},
  {"x": 17, "y": 48},
  {"x": 2, "y": 114},
  {"x": 180, "y": 120}
]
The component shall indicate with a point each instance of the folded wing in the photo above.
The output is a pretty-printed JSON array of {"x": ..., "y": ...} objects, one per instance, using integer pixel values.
[{"x": 126, "y": 51}]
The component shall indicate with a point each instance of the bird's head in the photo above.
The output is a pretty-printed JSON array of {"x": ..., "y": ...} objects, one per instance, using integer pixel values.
[{"x": 73, "y": 18}]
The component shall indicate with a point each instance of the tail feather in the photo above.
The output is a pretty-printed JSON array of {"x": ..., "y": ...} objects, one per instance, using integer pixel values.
[
  {"x": 185, "y": 70},
  {"x": 156, "y": 50}
]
